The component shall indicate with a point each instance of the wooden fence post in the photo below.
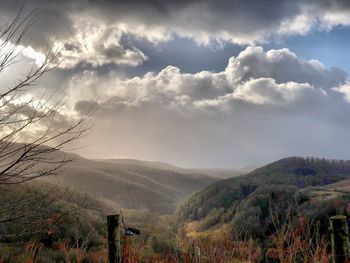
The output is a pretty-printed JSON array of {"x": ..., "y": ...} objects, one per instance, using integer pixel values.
[
  {"x": 113, "y": 230},
  {"x": 339, "y": 239}
]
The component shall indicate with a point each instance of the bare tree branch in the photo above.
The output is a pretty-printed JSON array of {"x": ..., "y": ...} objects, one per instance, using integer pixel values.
[{"x": 32, "y": 133}]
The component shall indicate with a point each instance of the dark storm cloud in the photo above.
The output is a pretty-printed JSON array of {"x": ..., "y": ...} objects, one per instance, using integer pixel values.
[
  {"x": 242, "y": 21},
  {"x": 51, "y": 18}
]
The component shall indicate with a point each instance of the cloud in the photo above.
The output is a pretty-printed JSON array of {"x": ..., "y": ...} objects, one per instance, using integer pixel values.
[
  {"x": 91, "y": 32},
  {"x": 97, "y": 44},
  {"x": 264, "y": 105},
  {"x": 283, "y": 66},
  {"x": 267, "y": 91},
  {"x": 344, "y": 90},
  {"x": 274, "y": 77},
  {"x": 241, "y": 21},
  {"x": 253, "y": 111},
  {"x": 80, "y": 40},
  {"x": 28, "y": 120},
  {"x": 96, "y": 34}
]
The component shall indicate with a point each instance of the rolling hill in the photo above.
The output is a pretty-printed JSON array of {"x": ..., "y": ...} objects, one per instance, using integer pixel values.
[
  {"x": 134, "y": 184},
  {"x": 291, "y": 184}
]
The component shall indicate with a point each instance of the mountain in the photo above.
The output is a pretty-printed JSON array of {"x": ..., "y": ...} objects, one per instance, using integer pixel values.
[
  {"x": 219, "y": 173},
  {"x": 245, "y": 202},
  {"x": 134, "y": 184}
]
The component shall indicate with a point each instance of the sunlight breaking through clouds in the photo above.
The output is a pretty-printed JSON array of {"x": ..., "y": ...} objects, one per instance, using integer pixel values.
[{"x": 195, "y": 82}]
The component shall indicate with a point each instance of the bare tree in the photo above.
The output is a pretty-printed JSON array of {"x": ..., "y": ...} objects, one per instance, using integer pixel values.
[{"x": 30, "y": 138}]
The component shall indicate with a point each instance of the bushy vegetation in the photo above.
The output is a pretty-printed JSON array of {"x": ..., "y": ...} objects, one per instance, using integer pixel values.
[
  {"x": 278, "y": 213},
  {"x": 291, "y": 242},
  {"x": 290, "y": 173}
]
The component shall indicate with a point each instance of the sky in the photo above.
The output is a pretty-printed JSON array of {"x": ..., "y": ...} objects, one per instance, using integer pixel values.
[{"x": 219, "y": 84}]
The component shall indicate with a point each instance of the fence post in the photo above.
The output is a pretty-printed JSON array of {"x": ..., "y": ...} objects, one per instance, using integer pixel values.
[
  {"x": 339, "y": 239},
  {"x": 113, "y": 232}
]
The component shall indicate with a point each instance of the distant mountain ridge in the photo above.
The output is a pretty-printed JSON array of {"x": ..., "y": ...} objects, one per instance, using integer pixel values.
[
  {"x": 212, "y": 172},
  {"x": 154, "y": 164},
  {"x": 154, "y": 186}
]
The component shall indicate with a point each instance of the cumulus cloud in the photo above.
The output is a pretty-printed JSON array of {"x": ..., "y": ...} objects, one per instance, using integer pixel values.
[
  {"x": 344, "y": 90},
  {"x": 274, "y": 77},
  {"x": 283, "y": 66},
  {"x": 97, "y": 45}
]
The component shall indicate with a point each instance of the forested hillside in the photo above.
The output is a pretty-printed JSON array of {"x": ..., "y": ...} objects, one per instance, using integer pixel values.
[
  {"x": 240, "y": 217},
  {"x": 245, "y": 203}
]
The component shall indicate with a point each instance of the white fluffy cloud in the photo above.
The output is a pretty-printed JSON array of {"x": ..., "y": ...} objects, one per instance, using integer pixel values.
[
  {"x": 344, "y": 90},
  {"x": 97, "y": 44},
  {"x": 274, "y": 77}
]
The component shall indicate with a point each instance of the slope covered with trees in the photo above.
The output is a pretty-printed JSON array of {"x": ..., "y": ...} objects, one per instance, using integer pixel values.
[{"x": 294, "y": 186}]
